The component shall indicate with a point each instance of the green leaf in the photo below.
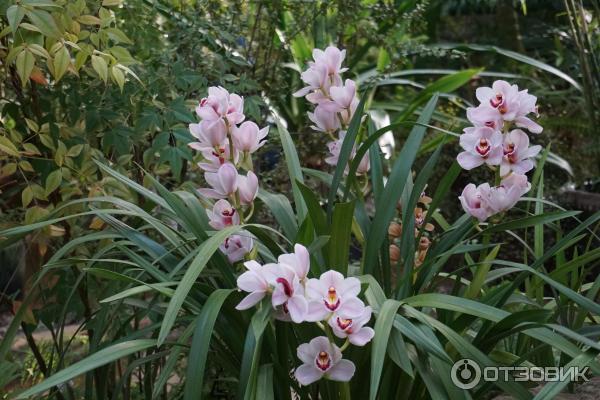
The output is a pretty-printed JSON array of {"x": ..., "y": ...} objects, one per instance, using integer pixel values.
[
  {"x": 201, "y": 343},
  {"x": 315, "y": 211},
  {"x": 532, "y": 221},
  {"x": 88, "y": 20},
  {"x": 393, "y": 190},
  {"x": 515, "y": 56},
  {"x": 383, "y": 327},
  {"x": 8, "y": 147},
  {"x": 26, "y": 196},
  {"x": 207, "y": 249},
  {"x": 98, "y": 359},
  {"x": 480, "y": 274},
  {"x": 25, "y": 62},
  {"x": 552, "y": 389},
  {"x": 100, "y": 66},
  {"x": 282, "y": 211},
  {"x": 252, "y": 352},
  {"x": 44, "y": 22},
  {"x": 339, "y": 243},
  {"x": 75, "y": 150},
  {"x": 118, "y": 76},
  {"x": 15, "y": 14},
  {"x": 347, "y": 146},
  {"x": 53, "y": 181},
  {"x": 293, "y": 166},
  {"x": 264, "y": 388},
  {"x": 117, "y": 35},
  {"x": 445, "y": 84},
  {"x": 407, "y": 243},
  {"x": 61, "y": 62},
  {"x": 398, "y": 352}
]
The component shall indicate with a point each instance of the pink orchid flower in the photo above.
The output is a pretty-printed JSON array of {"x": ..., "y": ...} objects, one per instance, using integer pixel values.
[
  {"x": 353, "y": 328},
  {"x": 517, "y": 153},
  {"x": 332, "y": 293},
  {"x": 502, "y": 96},
  {"x": 334, "y": 154},
  {"x": 247, "y": 187},
  {"x": 220, "y": 104},
  {"x": 254, "y": 281},
  {"x": 209, "y": 133},
  {"x": 482, "y": 146},
  {"x": 214, "y": 158},
  {"x": 322, "y": 359},
  {"x": 288, "y": 293},
  {"x": 474, "y": 201},
  {"x": 484, "y": 115},
  {"x": 247, "y": 137},
  {"x": 298, "y": 261},
  {"x": 527, "y": 105},
  {"x": 511, "y": 189},
  {"x": 510, "y": 104},
  {"x": 332, "y": 59},
  {"x": 316, "y": 79},
  {"x": 223, "y": 215},
  {"x": 236, "y": 247},
  {"x": 343, "y": 97},
  {"x": 223, "y": 182},
  {"x": 324, "y": 120}
]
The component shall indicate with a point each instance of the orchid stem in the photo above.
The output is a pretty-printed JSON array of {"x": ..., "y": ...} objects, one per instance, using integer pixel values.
[{"x": 345, "y": 345}]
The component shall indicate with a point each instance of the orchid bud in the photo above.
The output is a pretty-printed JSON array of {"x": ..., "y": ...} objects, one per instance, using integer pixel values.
[
  {"x": 424, "y": 243},
  {"x": 394, "y": 253},
  {"x": 394, "y": 230},
  {"x": 247, "y": 187},
  {"x": 236, "y": 247}
]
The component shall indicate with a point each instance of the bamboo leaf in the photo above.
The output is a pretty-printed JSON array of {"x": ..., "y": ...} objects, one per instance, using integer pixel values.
[
  {"x": 24, "y": 63},
  {"x": 14, "y": 15},
  {"x": 44, "y": 22},
  {"x": 100, "y": 66}
]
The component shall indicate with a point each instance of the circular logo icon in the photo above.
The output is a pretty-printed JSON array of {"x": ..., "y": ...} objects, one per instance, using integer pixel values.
[{"x": 465, "y": 374}]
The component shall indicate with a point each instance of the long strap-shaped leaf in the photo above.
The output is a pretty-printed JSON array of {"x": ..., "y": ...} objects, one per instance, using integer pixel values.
[
  {"x": 201, "y": 342},
  {"x": 347, "y": 146},
  {"x": 208, "y": 249},
  {"x": 294, "y": 168},
  {"x": 394, "y": 187},
  {"x": 98, "y": 359},
  {"x": 383, "y": 327}
]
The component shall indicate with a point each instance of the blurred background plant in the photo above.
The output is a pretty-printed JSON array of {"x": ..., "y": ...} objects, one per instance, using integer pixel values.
[{"x": 117, "y": 81}]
